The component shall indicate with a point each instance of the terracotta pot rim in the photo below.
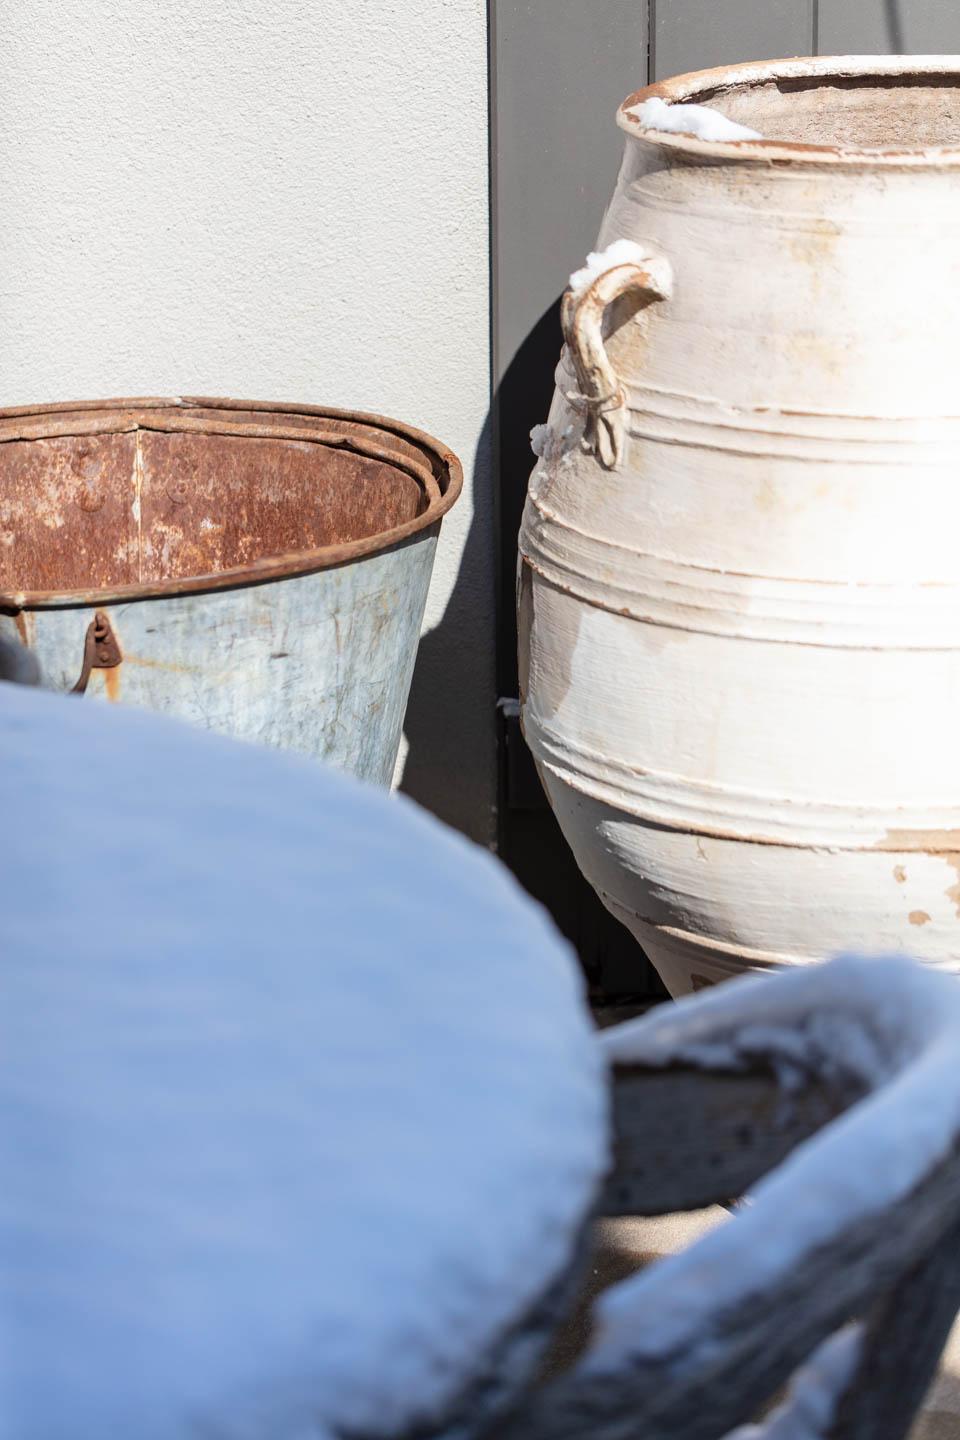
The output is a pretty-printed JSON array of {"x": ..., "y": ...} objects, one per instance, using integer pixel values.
[
  {"x": 441, "y": 487},
  {"x": 704, "y": 85}
]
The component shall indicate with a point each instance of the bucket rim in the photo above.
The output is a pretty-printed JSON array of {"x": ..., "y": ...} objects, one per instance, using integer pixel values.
[
  {"x": 441, "y": 476},
  {"x": 700, "y": 86}
]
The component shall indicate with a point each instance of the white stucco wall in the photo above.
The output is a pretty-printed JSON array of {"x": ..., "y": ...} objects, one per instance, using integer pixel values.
[{"x": 285, "y": 200}]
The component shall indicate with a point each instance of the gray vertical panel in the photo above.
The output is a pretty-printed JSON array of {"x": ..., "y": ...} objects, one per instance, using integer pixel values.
[
  {"x": 561, "y": 68},
  {"x": 695, "y": 34},
  {"x": 910, "y": 27}
]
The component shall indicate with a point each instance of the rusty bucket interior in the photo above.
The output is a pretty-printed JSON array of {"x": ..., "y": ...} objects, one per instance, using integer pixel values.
[
  {"x": 851, "y": 106},
  {"x": 875, "y": 106},
  {"x": 118, "y": 498}
]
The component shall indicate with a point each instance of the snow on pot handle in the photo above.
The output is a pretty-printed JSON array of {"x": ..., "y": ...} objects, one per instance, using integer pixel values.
[{"x": 624, "y": 268}]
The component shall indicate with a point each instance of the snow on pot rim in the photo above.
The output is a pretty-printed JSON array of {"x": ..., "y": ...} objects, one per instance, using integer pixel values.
[
  {"x": 434, "y": 478},
  {"x": 734, "y": 90}
]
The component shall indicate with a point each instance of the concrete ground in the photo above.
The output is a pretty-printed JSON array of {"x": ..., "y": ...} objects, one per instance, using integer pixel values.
[{"x": 624, "y": 1246}]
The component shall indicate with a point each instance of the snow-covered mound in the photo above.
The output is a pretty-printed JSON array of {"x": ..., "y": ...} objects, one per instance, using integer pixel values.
[{"x": 299, "y": 1105}]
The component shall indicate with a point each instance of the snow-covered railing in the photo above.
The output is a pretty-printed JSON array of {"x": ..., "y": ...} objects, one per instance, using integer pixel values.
[{"x": 861, "y": 1223}]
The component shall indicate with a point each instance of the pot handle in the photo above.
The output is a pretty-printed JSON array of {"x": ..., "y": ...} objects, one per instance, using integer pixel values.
[{"x": 601, "y": 395}]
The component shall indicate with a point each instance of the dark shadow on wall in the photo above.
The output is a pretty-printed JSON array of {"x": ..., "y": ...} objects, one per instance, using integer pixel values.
[
  {"x": 449, "y": 763},
  {"x": 522, "y": 400},
  {"x": 528, "y": 838}
]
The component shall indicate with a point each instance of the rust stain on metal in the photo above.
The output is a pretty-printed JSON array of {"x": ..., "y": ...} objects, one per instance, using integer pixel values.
[
  {"x": 145, "y": 664},
  {"x": 133, "y": 498},
  {"x": 918, "y": 917},
  {"x": 56, "y": 538},
  {"x": 90, "y": 501}
]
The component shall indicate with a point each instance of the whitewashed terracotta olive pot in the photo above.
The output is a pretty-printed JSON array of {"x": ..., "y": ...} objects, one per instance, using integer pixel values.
[{"x": 740, "y": 557}]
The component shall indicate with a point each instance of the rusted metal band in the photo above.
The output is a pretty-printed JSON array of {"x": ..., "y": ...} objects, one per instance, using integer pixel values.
[
  {"x": 183, "y": 425},
  {"x": 433, "y": 467}
]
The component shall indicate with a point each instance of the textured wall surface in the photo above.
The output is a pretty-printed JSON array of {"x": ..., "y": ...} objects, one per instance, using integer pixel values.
[{"x": 281, "y": 200}]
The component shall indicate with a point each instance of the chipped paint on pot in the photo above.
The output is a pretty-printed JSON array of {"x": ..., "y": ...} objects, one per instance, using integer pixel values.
[
  {"x": 739, "y": 587},
  {"x": 262, "y": 569}
]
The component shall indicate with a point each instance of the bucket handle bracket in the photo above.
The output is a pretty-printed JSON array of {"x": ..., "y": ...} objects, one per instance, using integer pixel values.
[{"x": 101, "y": 650}]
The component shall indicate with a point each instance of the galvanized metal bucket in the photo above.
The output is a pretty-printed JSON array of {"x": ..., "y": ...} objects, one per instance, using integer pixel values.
[{"x": 258, "y": 569}]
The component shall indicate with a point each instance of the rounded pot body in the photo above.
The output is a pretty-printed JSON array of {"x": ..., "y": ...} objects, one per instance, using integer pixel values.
[{"x": 739, "y": 590}]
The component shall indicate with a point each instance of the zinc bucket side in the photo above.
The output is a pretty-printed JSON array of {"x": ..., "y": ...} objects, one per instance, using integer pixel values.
[{"x": 257, "y": 569}]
